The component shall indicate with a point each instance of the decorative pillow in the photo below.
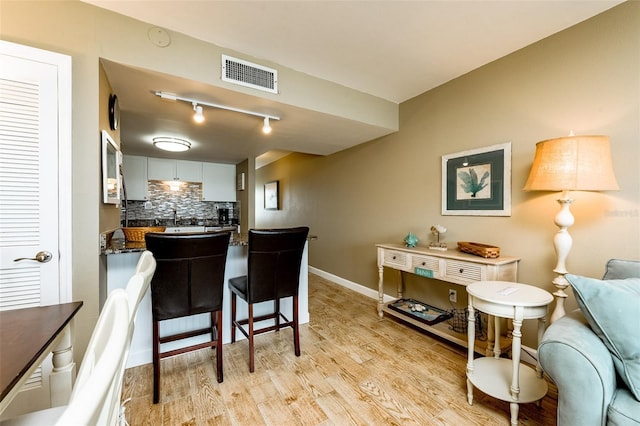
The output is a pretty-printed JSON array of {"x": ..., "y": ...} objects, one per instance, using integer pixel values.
[{"x": 612, "y": 308}]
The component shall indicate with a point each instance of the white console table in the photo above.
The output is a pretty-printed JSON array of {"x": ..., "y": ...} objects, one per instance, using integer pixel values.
[{"x": 451, "y": 266}]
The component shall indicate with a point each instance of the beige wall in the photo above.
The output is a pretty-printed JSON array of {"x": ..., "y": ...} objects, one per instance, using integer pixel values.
[
  {"x": 109, "y": 213},
  {"x": 585, "y": 79}
]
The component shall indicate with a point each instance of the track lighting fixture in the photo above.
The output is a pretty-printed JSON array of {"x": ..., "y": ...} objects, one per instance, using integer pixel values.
[
  {"x": 171, "y": 144},
  {"x": 199, "y": 116},
  {"x": 266, "y": 128}
]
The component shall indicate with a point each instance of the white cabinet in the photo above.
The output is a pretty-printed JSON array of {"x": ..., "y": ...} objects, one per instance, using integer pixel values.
[
  {"x": 168, "y": 169},
  {"x": 134, "y": 169},
  {"x": 189, "y": 171},
  {"x": 161, "y": 169},
  {"x": 218, "y": 182}
]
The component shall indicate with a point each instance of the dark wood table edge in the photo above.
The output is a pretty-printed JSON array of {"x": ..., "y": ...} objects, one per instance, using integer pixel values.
[{"x": 75, "y": 307}]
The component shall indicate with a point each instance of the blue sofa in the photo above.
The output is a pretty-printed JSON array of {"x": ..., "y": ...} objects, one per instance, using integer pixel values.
[{"x": 590, "y": 353}]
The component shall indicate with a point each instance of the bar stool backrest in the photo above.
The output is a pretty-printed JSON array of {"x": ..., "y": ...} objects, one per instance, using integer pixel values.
[
  {"x": 189, "y": 274},
  {"x": 275, "y": 257}
]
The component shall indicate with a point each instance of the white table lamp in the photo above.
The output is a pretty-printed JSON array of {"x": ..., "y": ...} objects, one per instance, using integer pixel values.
[{"x": 572, "y": 163}]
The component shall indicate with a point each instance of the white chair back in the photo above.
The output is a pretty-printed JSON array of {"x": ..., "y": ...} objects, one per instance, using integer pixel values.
[
  {"x": 146, "y": 267},
  {"x": 136, "y": 289},
  {"x": 90, "y": 402},
  {"x": 96, "y": 394}
]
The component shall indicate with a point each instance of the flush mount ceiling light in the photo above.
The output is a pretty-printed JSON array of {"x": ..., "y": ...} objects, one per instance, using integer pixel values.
[
  {"x": 171, "y": 144},
  {"x": 199, "y": 116}
]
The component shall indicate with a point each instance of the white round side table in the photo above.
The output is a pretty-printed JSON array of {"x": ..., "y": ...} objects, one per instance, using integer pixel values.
[{"x": 500, "y": 377}]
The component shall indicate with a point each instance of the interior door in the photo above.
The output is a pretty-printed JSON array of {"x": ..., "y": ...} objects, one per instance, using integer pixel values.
[{"x": 34, "y": 126}]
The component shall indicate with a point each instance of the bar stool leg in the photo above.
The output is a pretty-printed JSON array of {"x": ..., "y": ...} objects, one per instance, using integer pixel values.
[
  {"x": 233, "y": 317},
  {"x": 219, "y": 346},
  {"x": 156, "y": 362},
  {"x": 251, "y": 346},
  {"x": 296, "y": 331}
]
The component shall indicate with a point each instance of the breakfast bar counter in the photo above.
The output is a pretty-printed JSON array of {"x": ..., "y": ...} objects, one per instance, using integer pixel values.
[
  {"x": 120, "y": 245},
  {"x": 121, "y": 258}
]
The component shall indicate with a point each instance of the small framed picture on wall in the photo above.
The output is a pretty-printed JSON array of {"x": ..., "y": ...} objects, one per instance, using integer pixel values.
[
  {"x": 240, "y": 182},
  {"x": 271, "y": 195}
]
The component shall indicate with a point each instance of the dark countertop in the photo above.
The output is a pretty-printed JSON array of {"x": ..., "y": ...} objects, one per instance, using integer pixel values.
[{"x": 118, "y": 245}]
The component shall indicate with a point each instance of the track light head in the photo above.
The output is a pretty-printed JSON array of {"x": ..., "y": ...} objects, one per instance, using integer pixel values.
[
  {"x": 266, "y": 128},
  {"x": 198, "y": 117}
]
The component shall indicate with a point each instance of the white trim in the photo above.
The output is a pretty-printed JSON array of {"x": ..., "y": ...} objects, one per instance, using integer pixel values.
[
  {"x": 358, "y": 288},
  {"x": 527, "y": 355},
  {"x": 65, "y": 210}
]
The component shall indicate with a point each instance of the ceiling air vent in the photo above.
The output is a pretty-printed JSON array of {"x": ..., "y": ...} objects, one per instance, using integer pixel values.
[{"x": 249, "y": 74}]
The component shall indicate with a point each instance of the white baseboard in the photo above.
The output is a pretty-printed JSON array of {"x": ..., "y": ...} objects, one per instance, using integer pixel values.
[
  {"x": 358, "y": 288},
  {"x": 527, "y": 354}
]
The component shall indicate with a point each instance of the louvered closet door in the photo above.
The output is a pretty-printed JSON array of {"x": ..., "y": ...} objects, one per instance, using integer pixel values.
[{"x": 28, "y": 189}]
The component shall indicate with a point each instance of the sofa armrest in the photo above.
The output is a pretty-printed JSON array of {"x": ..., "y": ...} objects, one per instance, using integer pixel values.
[{"x": 581, "y": 366}]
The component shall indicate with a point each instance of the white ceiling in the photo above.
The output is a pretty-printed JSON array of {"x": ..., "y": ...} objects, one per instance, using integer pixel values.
[{"x": 392, "y": 49}]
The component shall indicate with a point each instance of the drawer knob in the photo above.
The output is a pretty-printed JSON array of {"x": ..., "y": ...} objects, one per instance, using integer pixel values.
[
  {"x": 394, "y": 258},
  {"x": 461, "y": 270},
  {"x": 424, "y": 263}
]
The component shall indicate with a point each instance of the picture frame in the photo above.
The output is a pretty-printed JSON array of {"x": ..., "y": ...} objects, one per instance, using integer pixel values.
[
  {"x": 111, "y": 177},
  {"x": 477, "y": 182},
  {"x": 271, "y": 195},
  {"x": 240, "y": 182}
]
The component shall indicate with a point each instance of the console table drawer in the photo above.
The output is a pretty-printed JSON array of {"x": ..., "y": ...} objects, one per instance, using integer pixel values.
[
  {"x": 464, "y": 271},
  {"x": 396, "y": 258},
  {"x": 424, "y": 262}
]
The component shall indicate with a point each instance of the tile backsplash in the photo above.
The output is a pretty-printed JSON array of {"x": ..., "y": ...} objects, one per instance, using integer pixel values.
[{"x": 186, "y": 201}]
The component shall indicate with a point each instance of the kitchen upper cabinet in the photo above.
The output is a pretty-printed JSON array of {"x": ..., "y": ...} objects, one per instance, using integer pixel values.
[
  {"x": 134, "y": 169},
  {"x": 219, "y": 182},
  {"x": 189, "y": 171},
  {"x": 167, "y": 169}
]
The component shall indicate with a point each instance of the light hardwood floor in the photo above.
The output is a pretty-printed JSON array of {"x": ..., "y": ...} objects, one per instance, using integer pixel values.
[{"x": 355, "y": 369}]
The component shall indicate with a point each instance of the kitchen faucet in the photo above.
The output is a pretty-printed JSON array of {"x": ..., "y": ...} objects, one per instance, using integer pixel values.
[{"x": 175, "y": 217}]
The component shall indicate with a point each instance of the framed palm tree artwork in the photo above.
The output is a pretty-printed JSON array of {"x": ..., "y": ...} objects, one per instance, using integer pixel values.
[{"x": 477, "y": 182}]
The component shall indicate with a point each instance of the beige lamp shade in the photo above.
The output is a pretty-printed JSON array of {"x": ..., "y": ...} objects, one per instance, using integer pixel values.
[{"x": 572, "y": 163}]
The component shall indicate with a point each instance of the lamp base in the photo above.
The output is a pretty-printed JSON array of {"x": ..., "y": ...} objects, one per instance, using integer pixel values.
[{"x": 562, "y": 243}]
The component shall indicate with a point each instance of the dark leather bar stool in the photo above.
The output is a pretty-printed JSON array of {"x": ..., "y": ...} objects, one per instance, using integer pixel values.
[
  {"x": 274, "y": 261},
  {"x": 189, "y": 280}
]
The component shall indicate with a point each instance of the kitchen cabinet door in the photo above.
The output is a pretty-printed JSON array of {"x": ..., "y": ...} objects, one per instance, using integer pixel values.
[
  {"x": 170, "y": 169},
  {"x": 189, "y": 171},
  {"x": 134, "y": 169},
  {"x": 161, "y": 169},
  {"x": 218, "y": 182}
]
